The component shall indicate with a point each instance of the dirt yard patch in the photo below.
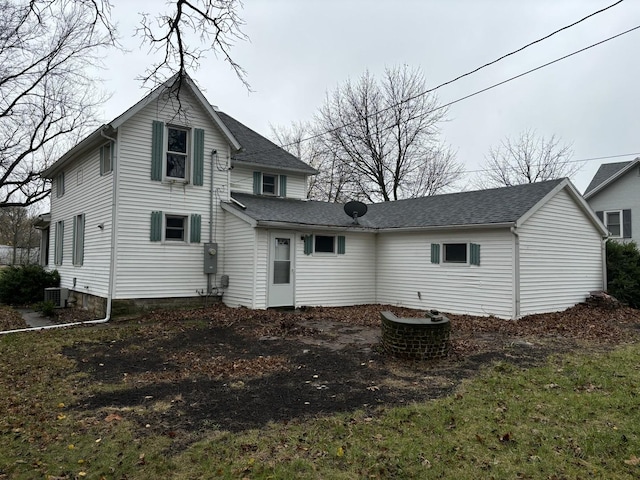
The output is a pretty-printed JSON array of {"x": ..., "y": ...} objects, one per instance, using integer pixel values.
[{"x": 233, "y": 369}]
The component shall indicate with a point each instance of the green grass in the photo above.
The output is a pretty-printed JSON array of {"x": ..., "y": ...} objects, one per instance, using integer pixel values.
[{"x": 577, "y": 416}]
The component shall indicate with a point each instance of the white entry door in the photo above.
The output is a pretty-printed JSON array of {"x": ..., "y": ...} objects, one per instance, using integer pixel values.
[{"x": 281, "y": 270}]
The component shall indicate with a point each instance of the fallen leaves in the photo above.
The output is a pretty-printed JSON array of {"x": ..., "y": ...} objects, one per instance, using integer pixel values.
[{"x": 633, "y": 461}]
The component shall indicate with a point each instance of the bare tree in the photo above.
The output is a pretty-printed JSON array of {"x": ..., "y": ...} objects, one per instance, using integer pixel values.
[
  {"x": 529, "y": 158},
  {"x": 190, "y": 30},
  {"x": 387, "y": 134},
  {"x": 47, "y": 95},
  {"x": 48, "y": 49},
  {"x": 334, "y": 182},
  {"x": 17, "y": 230}
]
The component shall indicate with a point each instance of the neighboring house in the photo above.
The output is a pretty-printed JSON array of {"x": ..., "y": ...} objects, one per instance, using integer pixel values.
[
  {"x": 165, "y": 203},
  {"x": 614, "y": 194}
]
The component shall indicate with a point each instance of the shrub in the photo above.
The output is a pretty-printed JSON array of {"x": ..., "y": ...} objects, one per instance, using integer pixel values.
[
  {"x": 25, "y": 284},
  {"x": 48, "y": 308},
  {"x": 623, "y": 272}
]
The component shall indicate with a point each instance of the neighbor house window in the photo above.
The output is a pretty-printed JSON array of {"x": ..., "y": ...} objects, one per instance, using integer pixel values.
[
  {"x": 106, "y": 158},
  {"x": 177, "y": 159},
  {"x": 613, "y": 223},
  {"x": 60, "y": 185},
  {"x": 78, "y": 240},
  {"x": 59, "y": 233},
  {"x": 175, "y": 227}
]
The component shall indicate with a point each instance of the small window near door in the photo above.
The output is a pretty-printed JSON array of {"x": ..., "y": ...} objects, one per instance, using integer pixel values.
[
  {"x": 324, "y": 244},
  {"x": 454, "y": 253}
]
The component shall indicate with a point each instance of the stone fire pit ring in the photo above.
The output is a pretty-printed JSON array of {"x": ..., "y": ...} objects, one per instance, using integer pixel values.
[{"x": 420, "y": 338}]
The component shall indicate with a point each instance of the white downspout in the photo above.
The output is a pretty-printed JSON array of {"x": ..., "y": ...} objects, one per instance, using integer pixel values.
[
  {"x": 604, "y": 263},
  {"x": 516, "y": 273},
  {"x": 111, "y": 263}
]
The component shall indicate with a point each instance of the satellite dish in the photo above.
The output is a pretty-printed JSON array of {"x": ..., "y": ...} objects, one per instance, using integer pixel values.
[{"x": 355, "y": 209}]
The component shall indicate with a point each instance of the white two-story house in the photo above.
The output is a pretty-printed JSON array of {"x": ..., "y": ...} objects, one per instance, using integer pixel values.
[{"x": 175, "y": 201}]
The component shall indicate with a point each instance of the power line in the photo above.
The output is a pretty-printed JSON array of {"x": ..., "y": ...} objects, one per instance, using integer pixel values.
[
  {"x": 317, "y": 135},
  {"x": 580, "y": 160}
]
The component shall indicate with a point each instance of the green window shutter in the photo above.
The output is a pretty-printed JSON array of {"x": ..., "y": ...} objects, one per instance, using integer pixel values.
[
  {"x": 308, "y": 244},
  {"x": 341, "y": 245},
  {"x": 74, "y": 260},
  {"x": 81, "y": 240},
  {"x": 283, "y": 185},
  {"x": 102, "y": 160},
  {"x": 196, "y": 223},
  {"x": 435, "y": 253},
  {"x": 156, "y": 226},
  {"x": 475, "y": 254},
  {"x": 626, "y": 224},
  {"x": 257, "y": 180},
  {"x": 198, "y": 156},
  {"x": 157, "y": 149}
]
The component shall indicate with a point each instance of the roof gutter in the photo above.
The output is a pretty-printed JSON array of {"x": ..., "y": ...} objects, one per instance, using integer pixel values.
[
  {"x": 307, "y": 226},
  {"x": 447, "y": 227},
  {"x": 307, "y": 171}
]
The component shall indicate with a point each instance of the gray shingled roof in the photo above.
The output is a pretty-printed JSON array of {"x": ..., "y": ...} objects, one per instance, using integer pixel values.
[
  {"x": 482, "y": 207},
  {"x": 258, "y": 150},
  {"x": 605, "y": 172}
]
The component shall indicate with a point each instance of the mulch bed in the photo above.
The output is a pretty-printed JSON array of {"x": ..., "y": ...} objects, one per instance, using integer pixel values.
[{"x": 185, "y": 372}]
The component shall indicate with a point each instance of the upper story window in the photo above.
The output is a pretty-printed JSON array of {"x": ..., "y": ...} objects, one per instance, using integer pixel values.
[
  {"x": 269, "y": 184},
  {"x": 177, "y": 153},
  {"x": 60, "y": 185},
  {"x": 177, "y": 156}
]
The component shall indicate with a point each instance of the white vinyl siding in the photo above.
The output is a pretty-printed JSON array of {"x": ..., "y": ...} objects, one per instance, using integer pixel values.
[
  {"x": 406, "y": 276},
  {"x": 240, "y": 261},
  {"x": 337, "y": 280},
  {"x": 622, "y": 195},
  {"x": 93, "y": 198},
  {"x": 560, "y": 257},
  {"x": 242, "y": 181},
  {"x": 143, "y": 266}
]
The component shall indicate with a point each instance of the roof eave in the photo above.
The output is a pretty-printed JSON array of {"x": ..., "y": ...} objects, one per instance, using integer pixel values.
[
  {"x": 475, "y": 226},
  {"x": 611, "y": 179},
  {"x": 306, "y": 171}
]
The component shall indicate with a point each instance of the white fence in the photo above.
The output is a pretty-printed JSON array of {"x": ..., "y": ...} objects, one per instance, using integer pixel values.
[{"x": 23, "y": 255}]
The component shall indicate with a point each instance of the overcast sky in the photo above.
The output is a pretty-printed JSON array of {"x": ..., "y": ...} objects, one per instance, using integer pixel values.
[{"x": 300, "y": 49}]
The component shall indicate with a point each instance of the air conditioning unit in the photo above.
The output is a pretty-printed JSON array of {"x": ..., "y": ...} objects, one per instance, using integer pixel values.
[{"x": 58, "y": 296}]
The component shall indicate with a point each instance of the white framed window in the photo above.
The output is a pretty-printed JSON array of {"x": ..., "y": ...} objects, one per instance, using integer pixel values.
[
  {"x": 454, "y": 252},
  {"x": 60, "y": 185},
  {"x": 269, "y": 184},
  {"x": 59, "y": 239},
  {"x": 77, "y": 253},
  {"x": 613, "y": 222},
  {"x": 177, "y": 153},
  {"x": 175, "y": 228}
]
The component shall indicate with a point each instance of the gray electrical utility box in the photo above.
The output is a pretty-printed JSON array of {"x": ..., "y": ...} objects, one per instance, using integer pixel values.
[{"x": 210, "y": 258}]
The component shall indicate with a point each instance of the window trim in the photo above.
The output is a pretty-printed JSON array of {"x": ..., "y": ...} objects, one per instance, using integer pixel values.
[
  {"x": 188, "y": 154},
  {"x": 185, "y": 229},
  {"x": 450, "y": 262},
  {"x": 605, "y": 214},
  {"x": 276, "y": 184}
]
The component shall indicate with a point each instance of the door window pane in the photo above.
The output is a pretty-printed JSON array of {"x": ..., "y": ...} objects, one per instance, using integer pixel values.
[{"x": 282, "y": 261}]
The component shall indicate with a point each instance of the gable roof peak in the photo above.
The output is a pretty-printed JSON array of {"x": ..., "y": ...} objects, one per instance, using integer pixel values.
[{"x": 607, "y": 173}]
